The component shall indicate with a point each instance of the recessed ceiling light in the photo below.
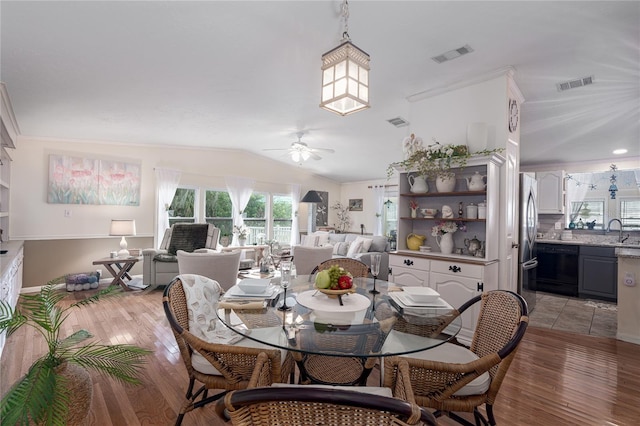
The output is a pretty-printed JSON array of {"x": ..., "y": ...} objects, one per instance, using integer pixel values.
[{"x": 619, "y": 151}]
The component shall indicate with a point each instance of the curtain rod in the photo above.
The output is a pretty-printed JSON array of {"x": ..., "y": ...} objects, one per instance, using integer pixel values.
[{"x": 382, "y": 186}]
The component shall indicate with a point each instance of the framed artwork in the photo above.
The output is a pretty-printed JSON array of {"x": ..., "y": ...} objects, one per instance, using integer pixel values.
[
  {"x": 322, "y": 209},
  {"x": 82, "y": 180},
  {"x": 355, "y": 204}
]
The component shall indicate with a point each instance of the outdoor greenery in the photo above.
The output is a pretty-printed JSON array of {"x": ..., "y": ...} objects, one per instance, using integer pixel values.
[
  {"x": 218, "y": 209},
  {"x": 41, "y": 396}
]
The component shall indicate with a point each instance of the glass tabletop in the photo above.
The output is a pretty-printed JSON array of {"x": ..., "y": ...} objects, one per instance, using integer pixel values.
[{"x": 365, "y": 324}]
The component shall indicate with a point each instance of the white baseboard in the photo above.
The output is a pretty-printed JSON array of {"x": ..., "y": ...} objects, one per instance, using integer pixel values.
[{"x": 628, "y": 338}]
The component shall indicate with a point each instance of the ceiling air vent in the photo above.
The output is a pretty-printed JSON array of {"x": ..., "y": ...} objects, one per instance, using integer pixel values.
[
  {"x": 452, "y": 54},
  {"x": 398, "y": 122},
  {"x": 572, "y": 84}
]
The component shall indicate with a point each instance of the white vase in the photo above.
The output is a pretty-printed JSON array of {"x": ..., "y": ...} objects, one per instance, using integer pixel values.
[
  {"x": 445, "y": 242},
  {"x": 242, "y": 241},
  {"x": 446, "y": 183},
  {"x": 414, "y": 214}
]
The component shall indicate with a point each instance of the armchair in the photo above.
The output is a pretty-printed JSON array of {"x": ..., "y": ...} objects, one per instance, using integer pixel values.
[{"x": 160, "y": 266}]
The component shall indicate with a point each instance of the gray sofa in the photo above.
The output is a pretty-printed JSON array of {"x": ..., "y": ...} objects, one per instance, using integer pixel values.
[{"x": 379, "y": 244}]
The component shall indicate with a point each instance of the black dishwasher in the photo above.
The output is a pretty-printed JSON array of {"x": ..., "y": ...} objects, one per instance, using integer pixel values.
[{"x": 557, "y": 269}]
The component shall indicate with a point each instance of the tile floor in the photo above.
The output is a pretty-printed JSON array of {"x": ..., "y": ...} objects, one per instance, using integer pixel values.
[{"x": 583, "y": 316}]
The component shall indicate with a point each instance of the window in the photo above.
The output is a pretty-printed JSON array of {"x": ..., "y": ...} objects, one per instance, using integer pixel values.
[
  {"x": 390, "y": 219},
  {"x": 630, "y": 213},
  {"x": 266, "y": 217},
  {"x": 588, "y": 210},
  {"x": 282, "y": 214},
  {"x": 218, "y": 211},
  {"x": 183, "y": 206},
  {"x": 255, "y": 218}
]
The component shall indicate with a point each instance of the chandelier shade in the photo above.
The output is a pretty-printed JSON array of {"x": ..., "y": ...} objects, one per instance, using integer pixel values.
[{"x": 345, "y": 79}]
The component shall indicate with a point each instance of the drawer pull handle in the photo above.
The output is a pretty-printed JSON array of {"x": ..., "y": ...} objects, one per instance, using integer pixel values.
[
  {"x": 454, "y": 268},
  {"x": 408, "y": 262}
]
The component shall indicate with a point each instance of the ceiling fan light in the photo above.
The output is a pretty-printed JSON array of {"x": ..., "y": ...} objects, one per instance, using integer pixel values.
[
  {"x": 295, "y": 156},
  {"x": 305, "y": 155}
]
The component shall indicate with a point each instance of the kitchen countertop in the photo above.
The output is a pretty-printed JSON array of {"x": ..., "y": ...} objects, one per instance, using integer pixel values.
[{"x": 589, "y": 243}]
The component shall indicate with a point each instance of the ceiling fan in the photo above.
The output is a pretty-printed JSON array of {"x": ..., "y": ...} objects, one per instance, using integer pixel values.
[{"x": 301, "y": 152}]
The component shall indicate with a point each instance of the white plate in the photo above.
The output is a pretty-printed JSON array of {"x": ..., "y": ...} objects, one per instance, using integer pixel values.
[
  {"x": 236, "y": 291},
  {"x": 406, "y": 302},
  {"x": 321, "y": 302}
]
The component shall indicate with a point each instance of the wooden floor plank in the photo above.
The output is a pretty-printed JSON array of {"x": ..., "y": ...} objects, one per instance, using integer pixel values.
[{"x": 557, "y": 378}]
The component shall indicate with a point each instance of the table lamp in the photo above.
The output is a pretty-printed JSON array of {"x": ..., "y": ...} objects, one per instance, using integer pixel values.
[
  {"x": 313, "y": 198},
  {"x": 122, "y": 228}
]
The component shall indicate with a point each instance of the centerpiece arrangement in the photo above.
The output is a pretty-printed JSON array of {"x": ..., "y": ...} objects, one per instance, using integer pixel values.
[
  {"x": 334, "y": 281},
  {"x": 242, "y": 233}
]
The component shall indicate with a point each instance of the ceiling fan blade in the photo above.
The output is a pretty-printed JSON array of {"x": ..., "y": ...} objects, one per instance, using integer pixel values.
[
  {"x": 276, "y": 149},
  {"x": 314, "y": 155},
  {"x": 327, "y": 150}
]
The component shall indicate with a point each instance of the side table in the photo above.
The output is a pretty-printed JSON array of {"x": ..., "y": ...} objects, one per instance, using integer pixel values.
[{"x": 119, "y": 268}]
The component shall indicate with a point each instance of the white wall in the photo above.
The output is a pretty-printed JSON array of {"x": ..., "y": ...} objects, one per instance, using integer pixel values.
[
  {"x": 32, "y": 218},
  {"x": 361, "y": 190}
]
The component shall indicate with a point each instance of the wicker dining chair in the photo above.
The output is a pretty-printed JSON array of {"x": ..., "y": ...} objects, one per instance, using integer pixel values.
[
  {"x": 340, "y": 369},
  {"x": 452, "y": 378},
  {"x": 233, "y": 363},
  {"x": 355, "y": 267},
  {"x": 263, "y": 405}
]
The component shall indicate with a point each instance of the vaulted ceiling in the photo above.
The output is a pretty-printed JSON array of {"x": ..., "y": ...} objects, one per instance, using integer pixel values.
[{"x": 246, "y": 75}]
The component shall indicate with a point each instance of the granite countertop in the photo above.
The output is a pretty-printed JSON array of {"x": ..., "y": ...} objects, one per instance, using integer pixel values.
[{"x": 590, "y": 243}]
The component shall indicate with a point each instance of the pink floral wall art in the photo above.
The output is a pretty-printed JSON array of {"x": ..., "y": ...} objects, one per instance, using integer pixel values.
[{"x": 80, "y": 180}]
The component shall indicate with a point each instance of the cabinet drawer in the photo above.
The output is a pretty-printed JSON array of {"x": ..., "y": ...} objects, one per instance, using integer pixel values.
[
  {"x": 409, "y": 262},
  {"x": 457, "y": 268}
]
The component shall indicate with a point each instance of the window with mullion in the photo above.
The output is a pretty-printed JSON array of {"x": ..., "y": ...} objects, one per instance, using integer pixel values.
[
  {"x": 184, "y": 206},
  {"x": 217, "y": 211},
  {"x": 630, "y": 213}
]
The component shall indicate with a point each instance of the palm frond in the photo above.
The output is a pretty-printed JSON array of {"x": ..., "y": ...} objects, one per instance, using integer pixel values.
[
  {"x": 107, "y": 291},
  {"x": 10, "y": 319},
  {"x": 33, "y": 396},
  {"x": 74, "y": 339},
  {"x": 122, "y": 362}
]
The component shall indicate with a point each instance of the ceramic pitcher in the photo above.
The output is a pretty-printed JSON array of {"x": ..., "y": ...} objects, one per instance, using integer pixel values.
[
  {"x": 414, "y": 241},
  {"x": 445, "y": 242},
  {"x": 418, "y": 184},
  {"x": 476, "y": 182}
]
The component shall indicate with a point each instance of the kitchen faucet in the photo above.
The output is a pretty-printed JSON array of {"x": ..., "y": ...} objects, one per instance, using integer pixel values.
[{"x": 620, "y": 230}]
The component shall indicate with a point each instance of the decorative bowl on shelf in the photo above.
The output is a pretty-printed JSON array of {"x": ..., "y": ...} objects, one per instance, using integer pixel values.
[
  {"x": 428, "y": 213},
  {"x": 335, "y": 293}
]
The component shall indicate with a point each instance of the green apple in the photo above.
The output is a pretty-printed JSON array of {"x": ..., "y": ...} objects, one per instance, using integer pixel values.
[{"x": 323, "y": 280}]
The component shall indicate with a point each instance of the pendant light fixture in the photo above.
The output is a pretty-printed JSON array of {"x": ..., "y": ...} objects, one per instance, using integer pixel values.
[{"x": 345, "y": 75}]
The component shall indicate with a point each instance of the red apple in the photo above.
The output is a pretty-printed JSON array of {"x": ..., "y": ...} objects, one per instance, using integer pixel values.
[{"x": 345, "y": 282}]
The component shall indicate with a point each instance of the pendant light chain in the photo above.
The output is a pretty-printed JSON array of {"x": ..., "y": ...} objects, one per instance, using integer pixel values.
[{"x": 345, "y": 16}]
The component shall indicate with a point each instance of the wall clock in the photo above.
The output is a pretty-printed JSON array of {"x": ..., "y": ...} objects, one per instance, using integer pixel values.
[{"x": 513, "y": 115}]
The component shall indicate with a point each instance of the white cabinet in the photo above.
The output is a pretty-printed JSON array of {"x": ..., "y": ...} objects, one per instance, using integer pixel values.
[
  {"x": 11, "y": 266},
  {"x": 551, "y": 192},
  {"x": 458, "y": 199},
  {"x": 409, "y": 271},
  {"x": 8, "y": 135},
  {"x": 459, "y": 282}
]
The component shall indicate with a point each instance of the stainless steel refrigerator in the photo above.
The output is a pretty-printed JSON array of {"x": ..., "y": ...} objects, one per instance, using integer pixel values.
[{"x": 527, "y": 262}]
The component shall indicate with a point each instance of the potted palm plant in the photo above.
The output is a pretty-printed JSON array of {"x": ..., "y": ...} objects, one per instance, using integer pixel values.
[{"x": 54, "y": 390}]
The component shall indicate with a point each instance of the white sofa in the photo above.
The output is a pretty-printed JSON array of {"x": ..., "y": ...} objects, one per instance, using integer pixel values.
[{"x": 348, "y": 245}]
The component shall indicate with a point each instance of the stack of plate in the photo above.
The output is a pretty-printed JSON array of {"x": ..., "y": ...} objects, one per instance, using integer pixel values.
[{"x": 425, "y": 249}]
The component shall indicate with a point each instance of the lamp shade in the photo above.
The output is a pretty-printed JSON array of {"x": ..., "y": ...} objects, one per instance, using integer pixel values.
[
  {"x": 345, "y": 79},
  {"x": 311, "y": 197},
  {"x": 123, "y": 227}
]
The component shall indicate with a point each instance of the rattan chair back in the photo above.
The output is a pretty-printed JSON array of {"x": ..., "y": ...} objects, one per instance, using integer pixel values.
[
  {"x": 355, "y": 267},
  {"x": 267, "y": 406},
  {"x": 234, "y": 363},
  {"x": 502, "y": 322}
]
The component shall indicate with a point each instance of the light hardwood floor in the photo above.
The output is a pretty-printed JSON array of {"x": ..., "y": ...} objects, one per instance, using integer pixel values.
[{"x": 557, "y": 378}]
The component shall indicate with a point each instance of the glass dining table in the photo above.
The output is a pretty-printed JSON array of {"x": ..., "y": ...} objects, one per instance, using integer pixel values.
[{"x": 374, "y": 325}]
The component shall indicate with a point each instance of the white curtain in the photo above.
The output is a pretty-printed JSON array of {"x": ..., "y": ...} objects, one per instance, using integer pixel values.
[
  {"x": 577, "y": 191},
  {"x": 295, "y": 224},
  {"x": 167, "y": 181},
  {"x": 378, "y": 201},
  {"x": 240, "y": 190}
]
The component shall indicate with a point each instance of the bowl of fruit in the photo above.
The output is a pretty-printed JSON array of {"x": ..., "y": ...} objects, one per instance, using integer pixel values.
[{"x": 334, "y": 281}]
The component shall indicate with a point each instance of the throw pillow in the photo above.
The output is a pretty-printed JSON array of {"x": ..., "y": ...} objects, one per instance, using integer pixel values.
[
  {"x": 188, "y": 237},
  {"x": 341, "y": 248},
  {"x": 366, "y": 244},
  {"x": 354, "y": 248},
  {"x": 323, "y": 238},
  {"x": 309, "y": 241}
]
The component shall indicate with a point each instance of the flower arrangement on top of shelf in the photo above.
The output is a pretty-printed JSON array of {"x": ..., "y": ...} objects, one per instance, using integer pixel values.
[{"x": 437, "y": 159}]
